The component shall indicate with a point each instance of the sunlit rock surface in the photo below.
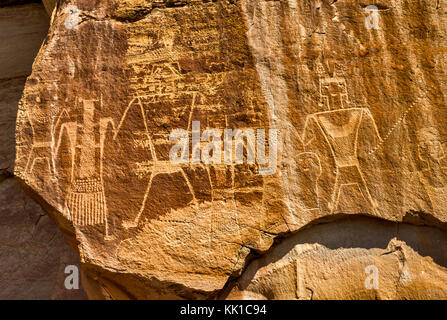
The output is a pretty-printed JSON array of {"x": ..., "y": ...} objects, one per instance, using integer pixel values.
[
  {"x": 355, "y": 93},
  {"x": 33, "y": 251}
]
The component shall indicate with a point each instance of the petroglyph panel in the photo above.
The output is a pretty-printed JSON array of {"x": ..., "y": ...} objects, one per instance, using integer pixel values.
[
  {"x": 359, "y": 132},
  {"x": 101, "y": 156},
  {"x": 359, "y": 114}
]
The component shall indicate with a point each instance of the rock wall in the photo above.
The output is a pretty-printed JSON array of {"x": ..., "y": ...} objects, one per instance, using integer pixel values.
[
  {"x": 337, "y": 260},
  {"x": 346, "y": 101},
  {"x": 33, "y": 251}
]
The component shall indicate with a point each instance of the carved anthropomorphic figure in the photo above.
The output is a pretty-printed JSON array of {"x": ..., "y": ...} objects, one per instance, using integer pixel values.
[
  {"x": 309, "y": 173},
  {"x": 85, "y": 203},
  {"x": 433, "y": 173},
  {"x": 340, "y": 126},
  {"x": 431, "y": 152}
]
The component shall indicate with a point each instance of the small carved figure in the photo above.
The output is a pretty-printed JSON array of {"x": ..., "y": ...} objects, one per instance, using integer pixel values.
[{"x": 431, "y": 152}]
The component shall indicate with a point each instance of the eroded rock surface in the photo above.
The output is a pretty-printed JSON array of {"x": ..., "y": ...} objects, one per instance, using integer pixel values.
[
  {"x": 351, "y": 258},
  {"x": 360, "y": 115},
  {"x": 33, "y": 251},
  {"x": 24, "y": 28}
]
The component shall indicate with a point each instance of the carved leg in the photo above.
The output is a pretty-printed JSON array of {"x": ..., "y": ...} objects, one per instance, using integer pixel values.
[
  {"x": 194, "y": 200},
  {"x": 107, "y": 236},
  {"x": 366, "y": 194},
  {"x": 336, "y": 194},
  {"x": 27, "y": 167},
  {"x": 134, "y": 223}
]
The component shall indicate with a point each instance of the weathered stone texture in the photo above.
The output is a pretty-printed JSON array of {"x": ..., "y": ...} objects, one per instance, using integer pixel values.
[
  {"x": 49, "y": 6},
  {"x": 361, "y": 120},
  {"x": 332, "y": 261},
  {"x": 33, "y": 252}
]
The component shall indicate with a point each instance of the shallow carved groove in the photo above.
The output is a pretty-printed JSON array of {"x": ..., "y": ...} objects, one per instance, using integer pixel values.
[{"x": 180, "y": 140}]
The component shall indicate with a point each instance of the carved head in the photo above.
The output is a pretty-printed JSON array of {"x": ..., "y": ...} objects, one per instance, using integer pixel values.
[
  {"x": 333, "y": 92},
  {"x": 333, "y": 89},
  {"x": 430, "y": 146}
]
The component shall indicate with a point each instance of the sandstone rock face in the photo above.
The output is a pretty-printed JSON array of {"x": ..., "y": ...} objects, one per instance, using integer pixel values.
[
  {"x": 346, "y": 101},
  {"x": 33, "y": 251},
  {"x": 20, "y": 43},
  {"x": 337, "y": 261},
  {"x": 49, "y": 6}
]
